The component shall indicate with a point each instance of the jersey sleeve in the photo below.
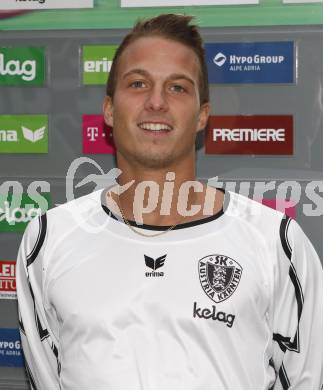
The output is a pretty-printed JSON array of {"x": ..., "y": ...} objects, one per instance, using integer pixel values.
[
  {"x": 40, "y": 350},
  {"x": 298, "y": 312}
]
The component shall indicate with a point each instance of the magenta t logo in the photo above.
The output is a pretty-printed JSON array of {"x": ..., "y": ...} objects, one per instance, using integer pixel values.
[{"x": 97, "y": 136}]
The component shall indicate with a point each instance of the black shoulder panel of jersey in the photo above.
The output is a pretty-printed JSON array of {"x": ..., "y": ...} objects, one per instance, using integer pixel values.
[
  {"x": 290, "y": 343},
  {"x": 40, "y": 239},
  {"x": 283, "y": 236}
]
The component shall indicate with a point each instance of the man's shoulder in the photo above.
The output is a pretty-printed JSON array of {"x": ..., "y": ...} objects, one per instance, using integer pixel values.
[
  {"x": 71, "y": 212},
  {"x": 254, "y": 212}
]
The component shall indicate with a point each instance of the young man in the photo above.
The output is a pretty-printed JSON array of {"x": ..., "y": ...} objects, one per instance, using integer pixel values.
[{"x": 167, "y": 289}]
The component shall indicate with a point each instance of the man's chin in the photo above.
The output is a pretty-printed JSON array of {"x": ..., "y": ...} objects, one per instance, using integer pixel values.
[
  {"x": 147, "y": 161},
  {"x": 155, "y": 162}
]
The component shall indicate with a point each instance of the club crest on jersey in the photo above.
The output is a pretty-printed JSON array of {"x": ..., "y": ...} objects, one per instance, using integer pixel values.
[{"x": 219, "y": 276}]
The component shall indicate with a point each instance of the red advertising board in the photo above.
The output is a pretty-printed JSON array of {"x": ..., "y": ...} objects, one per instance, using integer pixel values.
[
  {"x": 97, "y": 136},
  {"x": 8, "y": 279},
  {"x": 287, "y": 207},
  {"x": 251, "y": 134}
]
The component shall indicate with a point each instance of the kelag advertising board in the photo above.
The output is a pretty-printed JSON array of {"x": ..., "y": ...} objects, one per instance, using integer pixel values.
[
  {"x": 250, "y": 62},
  {"x": 16, "y": 211},
  {"x": 22, "y": 66}
]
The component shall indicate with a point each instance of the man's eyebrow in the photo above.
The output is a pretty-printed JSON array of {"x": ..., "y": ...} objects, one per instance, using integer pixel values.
[
  {"x": 174, "y": 76},
  {"x": 179, "y": 76},
  {"x": 136, "y": 71}
]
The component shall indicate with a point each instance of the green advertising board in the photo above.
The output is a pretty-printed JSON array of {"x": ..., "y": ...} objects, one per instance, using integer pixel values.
[
  {"x": 108, "y": 14},
  {"x": 16, "y": 211},
  {"x": 22, "y": 66},
  {"x": 23, "y": 134},
  {"x": 96, "y": 63}
]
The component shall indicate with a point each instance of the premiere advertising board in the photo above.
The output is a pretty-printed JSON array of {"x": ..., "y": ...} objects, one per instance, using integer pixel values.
[
  {"x": 22, "y": 66},
  {"x": 250, "y": 135},
  {"x": 23, "y": 134},
  {"x": 8, "y": 279},
  {"x": 251, "y": 62},
  {"x": 17, "y": 210},
  {"x": 44, "y": 4},
  {"x": 175, "y": 3},
  {"x": 10, "y": 348},
  {"x": 97, "y": 136},
  {"x": 96, "y": 63}
]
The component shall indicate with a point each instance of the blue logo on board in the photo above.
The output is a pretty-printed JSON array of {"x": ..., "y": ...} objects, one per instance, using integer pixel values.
[
  {"x": 250, "y": 62},
  {"x": 10, "y": 348}
]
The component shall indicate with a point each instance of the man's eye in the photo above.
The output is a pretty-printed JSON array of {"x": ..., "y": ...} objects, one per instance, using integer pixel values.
[
  {"x": 137, "y": 84},
  {"x": 177, "y": 88}
]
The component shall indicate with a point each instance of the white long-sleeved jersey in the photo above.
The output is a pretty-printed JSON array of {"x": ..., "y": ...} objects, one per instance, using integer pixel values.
[{"x": 233, "y": 301}]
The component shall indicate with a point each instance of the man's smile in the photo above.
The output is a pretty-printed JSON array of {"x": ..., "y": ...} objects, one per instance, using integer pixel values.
[{"x": 155, "y": 127}]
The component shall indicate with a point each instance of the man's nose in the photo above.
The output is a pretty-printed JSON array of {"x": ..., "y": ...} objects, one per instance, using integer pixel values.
[{"x": 156, "y": 99}]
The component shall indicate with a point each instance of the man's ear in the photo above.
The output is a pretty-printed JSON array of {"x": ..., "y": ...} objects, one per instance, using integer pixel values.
[
  {"x": 108, "y": 111},
  {"x": 203, "y": 116}
]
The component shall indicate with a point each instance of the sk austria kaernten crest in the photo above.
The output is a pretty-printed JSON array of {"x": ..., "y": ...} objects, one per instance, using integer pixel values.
[{"x": 219, "y": 276}]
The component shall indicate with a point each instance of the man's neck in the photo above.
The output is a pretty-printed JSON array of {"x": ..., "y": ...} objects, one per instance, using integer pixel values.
[{"x": 165, "y": 197}]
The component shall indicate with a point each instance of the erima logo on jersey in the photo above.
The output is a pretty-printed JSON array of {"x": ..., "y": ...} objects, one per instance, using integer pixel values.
[
  {"x": 154, "y": 265},
  {"x": 219, "y": 276},
  {"x": 213, "y": 314}
]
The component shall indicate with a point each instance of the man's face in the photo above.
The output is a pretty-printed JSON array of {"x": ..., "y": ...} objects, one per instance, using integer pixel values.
[{"x": 155, "y": 112}]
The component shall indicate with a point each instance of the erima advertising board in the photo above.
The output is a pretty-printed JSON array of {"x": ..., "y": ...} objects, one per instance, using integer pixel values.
[
  {"x": 174, "y": 3},
  {"x": 97, "y": 136},
  {"x": 250, "y": 62},
  {"x": 96, "y": 63},
  {"x": 17, "y": 210},
  {"x": 23, "y": 134},
  {"x": 8, "y": 279},
  {"x": 22, "y": 66},
  {"x": 10, "y": 348},
  {"x": 44, "y": 4},
  {"x": 252, "y": 134}
]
